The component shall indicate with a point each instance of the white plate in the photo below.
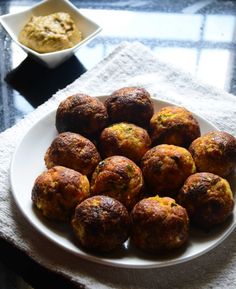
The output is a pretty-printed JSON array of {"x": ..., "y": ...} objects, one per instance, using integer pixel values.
[{"x": 28, "y": 163}]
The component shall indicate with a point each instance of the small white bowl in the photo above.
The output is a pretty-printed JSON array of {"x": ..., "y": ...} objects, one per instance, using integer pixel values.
[{"x": 14, "y": 22}]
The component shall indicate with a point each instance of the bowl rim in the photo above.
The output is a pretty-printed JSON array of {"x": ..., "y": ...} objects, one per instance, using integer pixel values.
[{"x": 14, "y": 37}]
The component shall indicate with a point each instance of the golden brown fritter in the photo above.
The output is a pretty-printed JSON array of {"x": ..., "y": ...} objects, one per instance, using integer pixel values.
[
  {"x": 82, "y": 114},
  {"x": 101, "y": 223},
  {"x": 74, "y": 151},
  {"x": 57, "y": 191},
  {"x": 120, "y": 178},
  {"x": 174, "y": 125},
  {"x": 130, "y": 104},
  {"x": 165, "y": 168},
  {"x": 124, "y": 139},
  {"x": 159, "y": 224},
  {"x": 214, "y": 152},
  {"x": 207, "y": 198}
]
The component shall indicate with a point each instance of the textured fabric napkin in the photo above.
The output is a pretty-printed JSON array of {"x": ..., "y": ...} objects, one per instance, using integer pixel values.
[{"x": 130, "y": 63}]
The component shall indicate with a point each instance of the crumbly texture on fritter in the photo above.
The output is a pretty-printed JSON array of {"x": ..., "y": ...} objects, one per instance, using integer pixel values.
[
  {"x": 215, "y": 152},
  {"x": 130, "y": 104},
  {"x": 159, "y": 224},
  {"x": 57, "y": 191},
  {"x": 207, "y": 198},
  {"x": 124, "y": 139},
  {"x": 82, "y": 114},
  {"x": 120, "y": 178},
  {"x": 165, "y": 168},
  {"x": 174, "y": 125},
  {"x": 101, "y": 223},
  {"x": 73, "y": 151}
]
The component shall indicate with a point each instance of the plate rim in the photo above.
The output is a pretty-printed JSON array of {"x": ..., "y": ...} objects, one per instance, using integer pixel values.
[{"x": 86, "y": 255}]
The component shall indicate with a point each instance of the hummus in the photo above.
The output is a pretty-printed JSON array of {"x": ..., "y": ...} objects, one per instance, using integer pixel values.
[{"x": 50, "y": 33}]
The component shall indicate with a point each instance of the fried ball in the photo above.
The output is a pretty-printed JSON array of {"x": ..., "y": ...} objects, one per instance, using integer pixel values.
[
  {"x": 81, "y": 113},
  {"x": 159, "y": 224},
  {"x": 120, "y": 178},
  {"x": 57, "y": 191},
  {"x": 124, "y": 139},
  {"x": 174, "y": 125},
  {"x": 130, "y": 104},
  {"x": 214, "y": 152},
  {"x": 207, "y": 198},
  {"x": 101, "y": 223},
  {"x": 73, "y": 151},
  {"x": 166, "y": 167}
]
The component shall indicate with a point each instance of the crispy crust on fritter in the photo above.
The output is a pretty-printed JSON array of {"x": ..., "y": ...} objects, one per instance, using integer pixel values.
[
  {"x": 101, "y": 223},
  {"x": 82, "y": 114},
  {"x": 57, "y": 191},
  {"x": 165, "y": 168},
  {"x": 207, "y": 198},
  {"x": 215, "y": 152},
  {"x": 130, "y": 104},
  {"x": 120, "y": 178},
  {"x": 174, "y": 125},
  {"x": 124, "y": 139},
  {"x": 73, "y": 151},
  {"x": 159, "y": 224}
]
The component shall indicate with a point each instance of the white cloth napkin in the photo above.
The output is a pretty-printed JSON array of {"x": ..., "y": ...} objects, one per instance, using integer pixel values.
[{"x": 130, "y": 63}]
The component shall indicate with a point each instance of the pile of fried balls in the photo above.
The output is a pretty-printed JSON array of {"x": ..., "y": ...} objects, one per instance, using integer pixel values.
[{"x": 118, "y": 169}]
